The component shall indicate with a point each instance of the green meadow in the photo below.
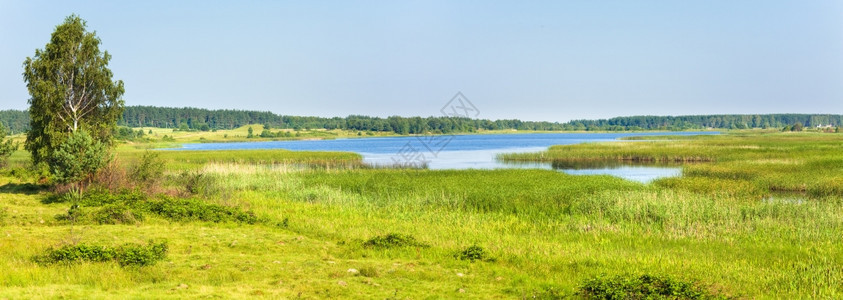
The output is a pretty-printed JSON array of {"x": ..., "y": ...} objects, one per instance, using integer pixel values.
[{"x": 754, "y": 215}]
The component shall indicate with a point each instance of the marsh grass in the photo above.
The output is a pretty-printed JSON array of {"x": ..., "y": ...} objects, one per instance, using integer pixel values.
[
  {"x": 549, "y": 232},
  {"x": 742, "y": 164}
]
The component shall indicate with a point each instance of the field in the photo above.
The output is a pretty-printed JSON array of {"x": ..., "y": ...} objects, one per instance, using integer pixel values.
[{"x": 755, "y": 215}]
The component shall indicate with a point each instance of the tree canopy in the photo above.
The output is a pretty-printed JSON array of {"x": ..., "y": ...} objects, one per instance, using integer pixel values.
[
  {"x": 71, "y": 89},
  {"x": 205, "y": 119}
]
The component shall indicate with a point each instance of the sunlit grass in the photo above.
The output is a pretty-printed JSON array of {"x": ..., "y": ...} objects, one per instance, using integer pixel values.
[{"x": 546, "y": 230}]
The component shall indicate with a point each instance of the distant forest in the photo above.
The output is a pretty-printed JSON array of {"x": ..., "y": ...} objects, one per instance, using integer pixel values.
[{"x": 187, "y": 118}]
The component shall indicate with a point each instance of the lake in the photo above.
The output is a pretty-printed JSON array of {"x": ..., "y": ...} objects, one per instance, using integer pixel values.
[{"x": 474, "y": 151}]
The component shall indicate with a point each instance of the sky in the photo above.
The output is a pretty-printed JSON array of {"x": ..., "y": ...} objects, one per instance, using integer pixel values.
[{"x": 529, "y": 60}]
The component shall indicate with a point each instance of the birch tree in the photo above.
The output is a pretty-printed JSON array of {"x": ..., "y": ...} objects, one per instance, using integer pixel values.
[{"x": 70, "y": 89}]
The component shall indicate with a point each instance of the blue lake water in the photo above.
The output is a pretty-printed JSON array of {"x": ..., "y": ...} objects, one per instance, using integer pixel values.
[{"x": 476, "y": 151}]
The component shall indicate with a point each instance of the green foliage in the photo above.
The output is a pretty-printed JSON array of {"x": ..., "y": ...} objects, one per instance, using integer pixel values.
[
  {"x": 140, "y": 255},
  {"x": 197, "y": 210},
  {"x": 642, "y": 287},
  {"x": 125, "y": 255},
  {"x": 70, "y": 89},
  {"x": 119, "y": 213},
  {"x": 128, "y": 207},
  {"x": 6, "y": 146},
  {"x": 694, "y": 226},
  {"x": 78, "y": 158},
  {"x": 127, "y": 134},
  {"x": 149, "y": 170},
  {"x": 102, "y": 197},
  {"x": 197, "y": 183},
  {"x": 474, "y": 253},
  {"x": 393, "y": 240},
  {"x": 251, "y": 133}
]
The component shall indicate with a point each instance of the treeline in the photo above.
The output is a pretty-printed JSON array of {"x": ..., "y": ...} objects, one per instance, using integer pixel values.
[
  {"x": 707, "y": 122},
  {"x": 204, "y": 119},
  {"x": 15, "y": 121}
]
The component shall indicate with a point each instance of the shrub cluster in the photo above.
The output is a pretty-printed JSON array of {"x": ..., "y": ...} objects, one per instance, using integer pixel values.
[
  {"x": 128, "y": 207},
  {"x": 474, "y": 253},
  {"x": 197, "y": 210},
  {"x": 125, "y": 255},
  {"x": 149, "y": 170},
  {"x": 642, "y": 287},
  {"x": 393, "y": 240},
  {"x": 196, "y": 183}
]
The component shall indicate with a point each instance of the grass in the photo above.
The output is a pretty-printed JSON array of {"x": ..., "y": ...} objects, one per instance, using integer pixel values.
[
  {"x": 750, "y": 165},
  {"x": 715, "y": 231}
]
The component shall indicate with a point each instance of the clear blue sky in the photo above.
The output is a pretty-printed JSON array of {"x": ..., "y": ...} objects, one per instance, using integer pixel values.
[{"x": 532, "y": 60}]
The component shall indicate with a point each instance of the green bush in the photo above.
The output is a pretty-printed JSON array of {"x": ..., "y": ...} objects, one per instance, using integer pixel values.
[
  {"x": 128, "y": 207},
  {"x": 77, "y": 253},
  {"x": 100, "y": 197},
  {"x": 642, "y": 287},
  {"x": 194, "y": 209},
  {"x": 474, "y": 253},
  {"x": 197, "y": 183},
  {"x": 78, "y": 158},
  {"x": 140, "y": 255},
  {"x": 149, "y": 170},
  {"x": 393, "y": 240},
  {"x": 125, "y": 255},
  {"x": 117, "y": 214}
]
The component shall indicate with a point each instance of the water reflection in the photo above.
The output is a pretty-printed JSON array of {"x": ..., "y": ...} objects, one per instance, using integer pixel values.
[
  {"x": 485, "y": 159},
  {"x": 636, "y": 171},
  {"x": 786, "y": 197},
  {"x": 643, "y": 174},
  {"x": 469, "y": 151}
]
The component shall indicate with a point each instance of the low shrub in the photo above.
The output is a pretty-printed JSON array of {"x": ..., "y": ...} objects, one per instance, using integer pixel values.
[
  {"x": 117, "y": 214},
  {"x": 194, "y": 209},
  {"x": 149, "y": 170},
  {"x": 196, "y": 183},
  {"x": 642, "y": 287},
  {"x": 113, "y": 176},
  {"x": 140, "y": 255},
  {"x": 369, "y": 272},
  {"x": 474, "y": 253},
  {"x": 125, "y": 255},
  {"x": 101, "y": 197},
  {"x": 128, "y": 207},
  {"x": 393, "y": 240}
]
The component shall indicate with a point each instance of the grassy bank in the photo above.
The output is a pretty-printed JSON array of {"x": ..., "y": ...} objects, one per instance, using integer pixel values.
[
  {"x": 542, "y": 233},
  {"x": 750, "y": 165}
]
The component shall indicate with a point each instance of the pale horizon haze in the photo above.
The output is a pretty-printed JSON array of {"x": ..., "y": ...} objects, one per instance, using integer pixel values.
[{"x": 529, "y": 60}]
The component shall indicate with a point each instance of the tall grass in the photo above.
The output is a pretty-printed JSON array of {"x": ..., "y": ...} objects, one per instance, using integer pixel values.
[
  {"x": 549, "y": 232},
  {"x": 749, "y": 165}
]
